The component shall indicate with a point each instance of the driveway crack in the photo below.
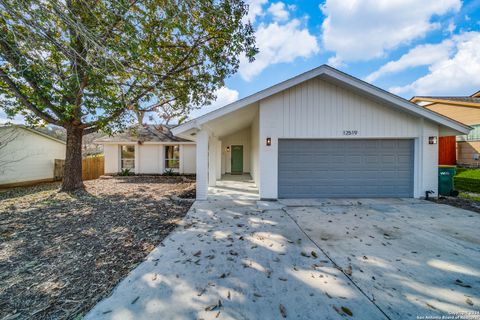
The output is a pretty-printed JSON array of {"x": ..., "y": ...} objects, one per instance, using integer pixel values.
[{"x": 337, "y": 266}]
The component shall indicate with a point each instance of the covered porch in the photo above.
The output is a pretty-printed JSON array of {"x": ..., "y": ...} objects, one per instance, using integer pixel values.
[
  {"x": 230, "y": 187},
  {"x": 227, "y": 152}
]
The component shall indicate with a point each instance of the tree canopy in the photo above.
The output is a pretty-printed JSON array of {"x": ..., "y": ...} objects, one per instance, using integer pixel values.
[{"x": 81, "y": 64}]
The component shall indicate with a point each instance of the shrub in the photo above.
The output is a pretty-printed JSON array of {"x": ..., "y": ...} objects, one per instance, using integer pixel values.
[
  {"x": 170, "y": 172},
  {"x": 126, "y": 172}
]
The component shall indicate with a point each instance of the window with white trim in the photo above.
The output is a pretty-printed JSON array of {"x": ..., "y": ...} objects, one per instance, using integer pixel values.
[
  {"x": 172, "y": 157},
  {"x": 127, "y": 157}
]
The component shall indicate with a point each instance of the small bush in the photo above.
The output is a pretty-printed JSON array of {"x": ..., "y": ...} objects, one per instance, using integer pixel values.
[
  {"x": 126, "y": 172},
  {"x": 170, "y": 172}
]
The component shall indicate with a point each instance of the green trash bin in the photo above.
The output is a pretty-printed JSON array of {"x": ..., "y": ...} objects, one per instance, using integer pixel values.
[{"x": 445, "y": 180}]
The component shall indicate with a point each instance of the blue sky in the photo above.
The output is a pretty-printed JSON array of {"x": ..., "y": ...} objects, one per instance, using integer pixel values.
[{"x": 408, "y": 47}]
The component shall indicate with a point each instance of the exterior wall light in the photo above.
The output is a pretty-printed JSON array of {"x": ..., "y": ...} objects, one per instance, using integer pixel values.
[
  {"x": 269, "y": 141},
  {"x": 432, "y": 140},
  {"x": 228, "y": 149}
]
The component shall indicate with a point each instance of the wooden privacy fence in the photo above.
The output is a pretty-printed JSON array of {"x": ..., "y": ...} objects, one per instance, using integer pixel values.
[{"x": 92, "y": 168}]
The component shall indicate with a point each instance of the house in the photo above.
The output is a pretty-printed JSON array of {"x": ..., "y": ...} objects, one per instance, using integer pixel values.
[
  {"x": 27, "y": 155},
  {"x": 322, "y": 134},
  {"x": 465, "y": 149},
  {"x": 148, "y": 149}
]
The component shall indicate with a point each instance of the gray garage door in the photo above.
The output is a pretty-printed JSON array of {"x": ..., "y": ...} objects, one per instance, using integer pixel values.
[{"x": 345, "y": 168}]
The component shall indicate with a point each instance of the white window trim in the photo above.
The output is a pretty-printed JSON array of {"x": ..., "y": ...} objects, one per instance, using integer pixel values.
[
  {"x": 121, "y": 156},
  {"x": 165, "y": 159}
]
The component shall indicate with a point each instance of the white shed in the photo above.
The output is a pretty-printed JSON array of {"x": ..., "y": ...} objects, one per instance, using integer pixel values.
[
  {"x": 27, "y": 156},
  {"x": 322, "y": 134}
]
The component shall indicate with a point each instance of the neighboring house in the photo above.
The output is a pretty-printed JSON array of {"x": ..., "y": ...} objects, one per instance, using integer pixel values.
[
  {"x": 322, "y": 134},
  {"x": 27, "y": 155},
  {"x": 148, "y": 149},
  {"x": 466, "y": 150}
]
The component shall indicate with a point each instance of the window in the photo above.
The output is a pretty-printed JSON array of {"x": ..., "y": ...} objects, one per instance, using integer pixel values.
[
  {"x": 472, "y": 136},
  {"x": 172, "y": 157},
  {"x": 127, "y": 157}
]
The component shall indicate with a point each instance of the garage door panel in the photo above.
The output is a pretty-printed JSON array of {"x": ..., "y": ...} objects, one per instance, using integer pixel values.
[{"x": 345, "y": 168}]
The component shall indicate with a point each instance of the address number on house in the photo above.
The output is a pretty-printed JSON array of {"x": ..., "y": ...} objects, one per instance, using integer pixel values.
[{"x": 350, "y": 132}]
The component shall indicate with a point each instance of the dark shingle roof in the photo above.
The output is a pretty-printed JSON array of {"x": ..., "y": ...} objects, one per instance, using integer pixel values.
[{"x": 143, "y": 133}]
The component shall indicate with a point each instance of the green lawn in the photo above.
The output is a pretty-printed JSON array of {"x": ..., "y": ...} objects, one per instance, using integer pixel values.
[{"x": 467, "y": 180}]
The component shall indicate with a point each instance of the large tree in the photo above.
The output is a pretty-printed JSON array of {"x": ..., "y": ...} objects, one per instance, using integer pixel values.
[{"x": 82, "y": 64}]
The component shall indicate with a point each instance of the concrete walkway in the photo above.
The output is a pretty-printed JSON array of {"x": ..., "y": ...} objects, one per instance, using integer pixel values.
[{"x": 235, "y": 257}]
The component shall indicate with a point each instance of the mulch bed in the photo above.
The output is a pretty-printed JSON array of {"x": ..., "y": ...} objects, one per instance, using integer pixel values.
[
  {"x": 462, "y": 203},
  {"x": 61, "y": 253}
]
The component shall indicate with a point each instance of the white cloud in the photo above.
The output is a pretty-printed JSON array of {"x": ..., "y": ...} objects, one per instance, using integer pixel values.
[
  {"x": 278, "y": 11},
  {"x": 422, "y": 55},
  {"x": 452, "y": 75},
  {"x": 364, "y": 29},
  {"x": 224, "y": 96},
  {"x": 255, "y": 9},
  {"x": 451, "y": 27},
  {"x": 279, "y": 43}
]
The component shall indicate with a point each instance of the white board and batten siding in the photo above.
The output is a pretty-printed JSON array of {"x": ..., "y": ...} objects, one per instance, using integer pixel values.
[
  {"x": 149, "y": 158},
  {"x": 29, "y": 157},
  {"x": 317, "y": 109}
]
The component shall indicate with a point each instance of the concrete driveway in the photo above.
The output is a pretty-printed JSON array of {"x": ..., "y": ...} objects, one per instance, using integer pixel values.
[{"x": 238, "y": 258}]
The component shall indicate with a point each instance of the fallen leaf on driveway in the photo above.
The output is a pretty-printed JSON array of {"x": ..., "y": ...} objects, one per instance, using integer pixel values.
[
  {"x": 348, "y": 271},
  {"x": 135, "y": 300},
  {"x": 460, "y": 283},
  {"x": 283, "y": 311},
  {"x": 340, "y": 312},
  {"x": 347, "y": 311},
  {"x": 214, "y": 307}
]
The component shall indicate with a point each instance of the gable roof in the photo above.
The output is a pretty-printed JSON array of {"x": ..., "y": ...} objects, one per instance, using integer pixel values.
[
  {"x": 143, "y": 133},
  {"x": 471, "y": 101},
  {"x": 335, "y": 76},
  {"x": 33, "y": 130},
  {"x": 466, "y": 101}
]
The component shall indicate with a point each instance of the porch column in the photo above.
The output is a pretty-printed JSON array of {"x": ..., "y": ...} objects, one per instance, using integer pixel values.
[
  {"x": 202, "y": 165},
  {"x": 219, "y": 160},
  {"x": 212, "y": 162}
]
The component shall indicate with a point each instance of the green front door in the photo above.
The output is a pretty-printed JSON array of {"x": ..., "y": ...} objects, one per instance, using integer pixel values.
[{"x": 237, "y": 159}]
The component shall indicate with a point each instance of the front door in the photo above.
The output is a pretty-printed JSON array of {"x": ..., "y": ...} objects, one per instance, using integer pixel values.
[{"x": 237, "y": 159}]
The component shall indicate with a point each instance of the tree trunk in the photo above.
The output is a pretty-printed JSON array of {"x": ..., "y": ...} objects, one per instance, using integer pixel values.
[{"x": 72, "y": 176}]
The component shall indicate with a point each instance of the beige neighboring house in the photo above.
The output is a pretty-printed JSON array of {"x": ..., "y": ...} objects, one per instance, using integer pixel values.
[
  {"x": 148, "y": 149},
  {"x": 465, "y": 110},
  {"x": 27, "y": 155}
]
